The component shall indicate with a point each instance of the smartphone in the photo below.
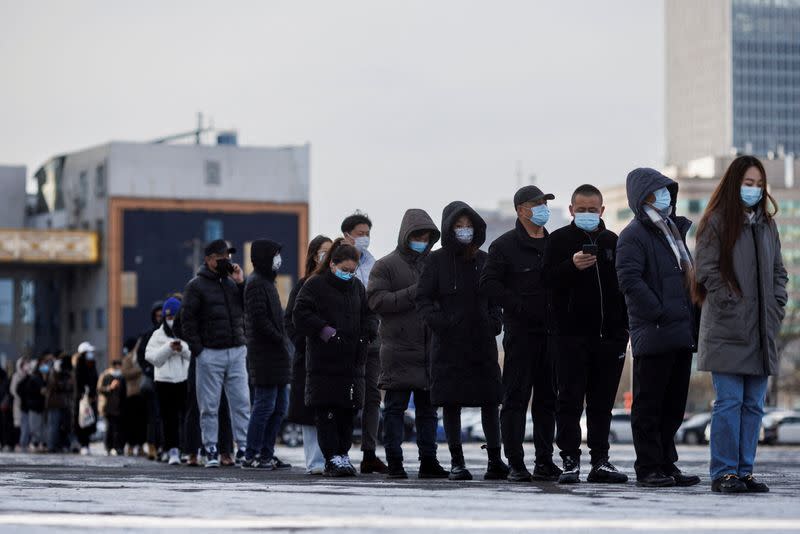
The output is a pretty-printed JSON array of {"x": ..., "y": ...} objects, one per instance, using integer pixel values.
[{"x": 590, "y": 249}]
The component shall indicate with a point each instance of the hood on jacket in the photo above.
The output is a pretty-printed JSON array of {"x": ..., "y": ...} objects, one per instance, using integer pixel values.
[
  {"x": 156, "y": 307},
  {"x": 416, "y": 220},
  {"x": 450, "y": 215},
  {"x": 642, "y": 182},
  {"x": 262, "y": 252}
]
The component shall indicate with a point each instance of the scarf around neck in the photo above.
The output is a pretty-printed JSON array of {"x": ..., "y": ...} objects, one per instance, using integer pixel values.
[{"x": 674, "y": 238}]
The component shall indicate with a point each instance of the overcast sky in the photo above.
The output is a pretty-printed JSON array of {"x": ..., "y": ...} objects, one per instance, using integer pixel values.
[{"x": 405, "y": 103}]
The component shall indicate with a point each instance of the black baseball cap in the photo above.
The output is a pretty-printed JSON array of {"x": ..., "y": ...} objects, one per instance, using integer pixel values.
[
  {"x": 530, "y": 193},
  {"x": 219, "y": 246}
]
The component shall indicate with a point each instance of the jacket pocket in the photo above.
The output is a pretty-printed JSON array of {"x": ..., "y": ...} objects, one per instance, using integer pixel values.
[{"x": 725, "y": 316}]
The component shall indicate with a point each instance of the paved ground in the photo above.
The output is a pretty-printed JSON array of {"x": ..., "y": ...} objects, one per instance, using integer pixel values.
[{"x": 41, "y": 493}]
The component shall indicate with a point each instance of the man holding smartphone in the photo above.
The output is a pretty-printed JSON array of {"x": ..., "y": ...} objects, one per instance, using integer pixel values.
[
  {"x": 591, "y": 326},
  {"x": 212, "y": 317}
]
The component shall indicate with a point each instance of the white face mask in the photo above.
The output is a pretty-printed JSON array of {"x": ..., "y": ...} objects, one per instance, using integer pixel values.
[
  {"x": 276, "y": 262},
  {"x": 361, "y": 243},
  {"x": 170, "y": 322}
]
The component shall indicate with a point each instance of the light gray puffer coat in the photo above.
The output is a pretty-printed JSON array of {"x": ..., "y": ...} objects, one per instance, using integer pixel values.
[{"x": 738, "y": 333}]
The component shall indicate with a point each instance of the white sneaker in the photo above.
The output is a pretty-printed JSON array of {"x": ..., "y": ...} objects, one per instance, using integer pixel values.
[
  {"x": 174, "y": 457},
  {"x": 84, "y": 451}
]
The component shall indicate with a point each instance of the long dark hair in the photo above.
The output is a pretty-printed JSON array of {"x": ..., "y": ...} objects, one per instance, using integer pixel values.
[
  {"x": 340, "y": 251},
  {"x": 726, "y": 204},
  {"x": 313, "y": 252}
]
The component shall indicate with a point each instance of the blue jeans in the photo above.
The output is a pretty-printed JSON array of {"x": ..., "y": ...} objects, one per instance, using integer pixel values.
[
  {"x": 736, "y": 423},
  {"x": 54, "y": 441},
  {"x": 270, "y": 405},
  {"x": 426, "y": 420},
  {"x": 24, "y": 430}
]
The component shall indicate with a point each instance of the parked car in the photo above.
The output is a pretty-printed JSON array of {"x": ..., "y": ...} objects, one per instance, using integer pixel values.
[
  {"x": 620, "y": 431},
  {"x": 780, "y": 427},
  {"x": 693, "y": 429}
]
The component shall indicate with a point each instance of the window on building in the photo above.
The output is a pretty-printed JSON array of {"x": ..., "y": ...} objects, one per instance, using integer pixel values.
[
  {"x": 213, "y": 230},
  {"x": 100, "y": 227},
  {"x": 83, "y": 189},
  {"x": 100, "y": 181},
  {"x": 85, "y": 320},
  {"x": 100, "y": 318},
  {"x": 213, "y": 175}
]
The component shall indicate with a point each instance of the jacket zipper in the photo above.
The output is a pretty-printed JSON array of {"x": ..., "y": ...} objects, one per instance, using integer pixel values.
[
  {"x": 599, "y": 286},
  {"x": 227, "y": 307},
  {"x": 764, "y": 353}
]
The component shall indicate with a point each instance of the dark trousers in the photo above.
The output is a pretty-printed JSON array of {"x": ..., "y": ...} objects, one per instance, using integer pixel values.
[
  {"x": 660, "y": 387},
  {"x": 426, "y": 420},
  {"x": 192, "y": 436},
  {"x": 270, "y": 404},
  {"x": 115, "y": 435},
  {"x": 148, "y": 392},
  {"x": 136, "y": 420},
  {"x": 529, "y": 367},
  {"x": 334, "y": 430},
  {"x": 586, "y": 371},
  {"x": 490, "y": 421},
  {"x": 370, "y": 417},
  {"x": 172, "y": 406}
]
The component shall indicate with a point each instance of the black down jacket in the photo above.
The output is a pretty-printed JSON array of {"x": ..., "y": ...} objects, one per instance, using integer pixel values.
[
  {"x": 212, "y": 313},
  {"x": 268, "y": 360},
  {"x": 334, "y": 369},
  {"x": 662, "y": 316},
  {"x": 405, "y": 339},
  {"x": 464, "y": 366},
  {"x": 299, "y": 413}
]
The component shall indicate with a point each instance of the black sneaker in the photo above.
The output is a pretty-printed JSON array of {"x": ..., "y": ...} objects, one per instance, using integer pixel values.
[
  {"x": 656, "y": 479},
  {"x": 459, "y": 472},
  {"x": 335, "y": 468},
  {"x": 728, "y": 484},
  {"x": 518, "y": 473},
  {"x": 256, "y": 463},
  {"x": 605, "y": 473},
  {"x": 496, "y": 469},
  {"x": 212, "y": 458},
  {"x": 431, "y": 468},
  {"x": 753, "y": 485},
  {"x": 395, "y": 469},
  {"x": 278, "y": 464},
  {"x": 681, "y": 479},
  {"x": 546, "y": 471},
  {"x": 572, "y": 471},
  {"x": 240, "y": 457}
]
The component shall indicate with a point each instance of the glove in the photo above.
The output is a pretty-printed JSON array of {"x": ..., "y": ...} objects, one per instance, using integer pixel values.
[{"x": 327, "y": 333}]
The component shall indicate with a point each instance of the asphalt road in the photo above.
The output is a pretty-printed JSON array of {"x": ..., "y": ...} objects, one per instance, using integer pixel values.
[{"x": 44, "y": 493}]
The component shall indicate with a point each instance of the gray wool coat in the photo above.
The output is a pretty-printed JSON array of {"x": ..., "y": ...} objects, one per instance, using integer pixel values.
[{"x": 738, "y": 332}]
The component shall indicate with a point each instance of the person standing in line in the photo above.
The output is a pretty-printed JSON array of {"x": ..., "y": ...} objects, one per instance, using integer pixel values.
[
  {"x": 356, "y": 230},
  {"x": 147, "y": 387},
  {"x": 135, "y": 416},
  {"x": 34, "y": 389},
  {"x": 58, "y": 399},
  {"x": 331, "y": 310},
  {"x": 111, "y": 386},
  {"x": 405, "y": 344},
  {"x": 170, "y": 355},
  {"x": 299, "y": 413},
  {"x": 20, "y": 423},
  {"x": 464, "y": 359},
  {"x": 656, "y": 275},
  {"x": 212, "y": 316},
  {"x": 741, "y": 283},
  {"x": 591, "y": 327},
  {"x": 85, "y": 368},
  {"x": 268, "y": 359},
  {"x": 513, "y": 275}
]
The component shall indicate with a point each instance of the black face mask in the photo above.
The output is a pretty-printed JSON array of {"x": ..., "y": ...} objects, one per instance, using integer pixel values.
[{"x": 224, "y": 267}]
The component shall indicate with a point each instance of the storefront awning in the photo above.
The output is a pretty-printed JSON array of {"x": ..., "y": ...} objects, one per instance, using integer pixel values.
[{"x": 48, "y": 246}]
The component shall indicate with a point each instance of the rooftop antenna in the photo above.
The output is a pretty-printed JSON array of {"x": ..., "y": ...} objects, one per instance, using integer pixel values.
[{"x": 196, "y": 133}]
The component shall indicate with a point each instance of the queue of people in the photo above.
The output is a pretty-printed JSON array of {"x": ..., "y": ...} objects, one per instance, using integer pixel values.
[{"x": 225, "y": 364}]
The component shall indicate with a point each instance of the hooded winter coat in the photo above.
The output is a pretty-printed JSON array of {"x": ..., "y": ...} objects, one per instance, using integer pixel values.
[
  {"x": 170, "y": 366},
  {"x": 268, "y": 359},
  {"x": 144, "y": 338},
  {"x": 661, "y": 315},
  {"x": 738, "y": 331},
  {"x": 334, "y": 369},
  {"x": 405, "y": 339},
  {"x": 464, "y": 366},
  {"x": 212, "y": 312},
  {"x": 299, "y": 413}
]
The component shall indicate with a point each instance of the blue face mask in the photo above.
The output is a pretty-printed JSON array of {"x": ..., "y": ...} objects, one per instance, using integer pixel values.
[
  {"x": 343, "y": 275},
  {"x": 44, "y": 369},
  {"x": 663, "y": 199},
  {"x": 751, "y": 195},
  {"x": 465, "y": 235},
  {"x": 540, "y": 215},
  {"x": 588, "y": 222},
  {"x": 418, "y": 246}
]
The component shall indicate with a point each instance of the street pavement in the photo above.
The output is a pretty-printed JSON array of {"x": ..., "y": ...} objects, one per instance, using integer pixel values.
[{"x": 50, "y": 493}]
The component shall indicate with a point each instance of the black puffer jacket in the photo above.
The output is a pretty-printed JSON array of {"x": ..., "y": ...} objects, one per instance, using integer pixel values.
[
  {"x": 299, "y": 413},
  {"x": 586, "y": 303},
  {"x": 334, "y": 370},
  {"x": 268, "y": 360},
  {"x": 144, "y": 338},
  {"x": 32, "y": 396},
  {"x": 405, "y": 339},
  {"x": 464, "y": 366},
  {"x": 513, "y": 275},
  {"x": 212, "y": 313}
]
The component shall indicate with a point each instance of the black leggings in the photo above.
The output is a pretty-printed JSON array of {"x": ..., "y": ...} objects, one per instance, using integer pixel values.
[
  {"x": 172, "y": 404},
  {"x": 490, "y": 420},
  {"x": 334, "y": 430}
]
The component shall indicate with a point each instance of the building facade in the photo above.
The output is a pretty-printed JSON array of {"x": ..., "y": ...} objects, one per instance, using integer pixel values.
[{"x": 732, "y": 77}]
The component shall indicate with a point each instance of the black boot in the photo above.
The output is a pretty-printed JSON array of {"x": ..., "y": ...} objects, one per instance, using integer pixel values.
[
  {"x": 458, "y": 470},
  {"x": 728, "y": 484},
  {"x": 496, "y": 469},
  {"x": 395, "y": 469},
  {"x": 681, "y": 478},
  {"x": 517, "y": 472},
  {"x": 546, "y": 471},
  {"x": 430, "y": 468},
  {"x": 656, "y": 479},
  {"x": 372, "y": 464},
  {"x": 753, "y": 485}
]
